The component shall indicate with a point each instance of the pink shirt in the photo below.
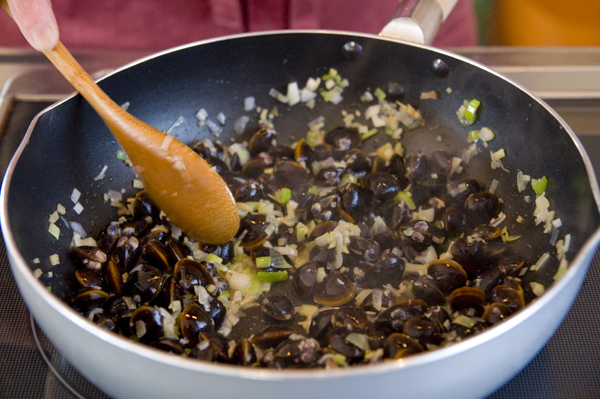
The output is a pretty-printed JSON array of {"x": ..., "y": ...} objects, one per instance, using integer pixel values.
[{"x": 160, "y": 24}]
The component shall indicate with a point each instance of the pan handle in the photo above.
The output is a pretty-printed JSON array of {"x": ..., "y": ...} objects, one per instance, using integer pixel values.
[{"x": 418, "y": 21}]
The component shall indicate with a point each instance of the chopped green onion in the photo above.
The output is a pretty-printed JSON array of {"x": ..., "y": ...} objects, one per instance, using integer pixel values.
[
  {"x": 464, "y": 321},
  {"x": 272, "y": 277},
  {"x": 314, "y": 138},
  {"x": 327, "y": 94},
  {"x": 361, "y": 341},
  {"x": 336, "y": 78},
  {"x": 368, "y": 134},
  {"x": 238, "y": 258},
  {"x": 326, "y": 191},
  {"x": 539, "y": 185},
  {"x": 48, "y": 288},
  {"x": 212, "y": 258},
  {"x": 508, "y": 238},
  {"x": 301, "y": 232},
  {"x": 309, "y": 246},
  {"x": 331, "y": 75},
  {"x": 347, "y": 178},
  {"x": 405, "y": 196},
  {"x": 537, "y": 288},
  {"x": 397, "y": 133},
  {"x": 314, "y": 191},
  {"x": 263, "y": 262},
  {"x": 561, "y": 270},
  {"x": 283, "y": 196},
  {"x": 339, "y": 359},
  {"x": 54, "y": 230},
  {"x": 470, "y": 113},
  {"x": 253, "y": 205},
  {"x": 380, "y": 94},
  {"x": 223, "y": 298},
  {"x": 473, "y": 135},
  {"x": 255, "y": 286},
  {"x": 410, "y": 286},
  {"x": 121, "y": 155},
  {"x": 277, "y": 260}
]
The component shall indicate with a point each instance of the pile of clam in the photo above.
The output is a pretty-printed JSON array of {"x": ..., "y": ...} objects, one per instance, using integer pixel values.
[{"x": 367, "y": 258}]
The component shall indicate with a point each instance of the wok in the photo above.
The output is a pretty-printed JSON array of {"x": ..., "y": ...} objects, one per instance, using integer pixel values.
[{"x": 67, "y": 145}]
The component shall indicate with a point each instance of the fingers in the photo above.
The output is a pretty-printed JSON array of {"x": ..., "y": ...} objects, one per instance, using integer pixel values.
[{"x": 36, "y": 21}]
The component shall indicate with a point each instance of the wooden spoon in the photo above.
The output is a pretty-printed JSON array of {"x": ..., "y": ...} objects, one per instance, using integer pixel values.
[{"x": 182, "y": 184}]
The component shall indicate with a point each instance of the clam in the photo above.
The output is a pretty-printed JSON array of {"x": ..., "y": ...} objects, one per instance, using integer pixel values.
[
  {"x": 393, "y": 319},
  {"x": 253, "y": 227},
  {"x": 90, "y": 257},
  {"x": 480, "y": 208},
  {"x": 108, "y": 237},
  {"x": 423, "y": 330},
  {"x": 212, "y": 347},
  {"x": 425, "y": 288},
  {"x": 128, "y": 252},
  {"x": 304, "y": 279},
  {"x": 303, "y": 152},
  {"x": 144, "y": 207},
  {"x": 387, "y": 271},
  {"x": 194, "y": 320},
  {"x": 358, "y": 162},
  {"x": 509, "y": 296},
  {"x": 364, "y": 248},
  {"x": 447, "y": 274},
  {"x": 336, "y": 289},
  {"x": 295, "y": 353},
  {"x": 290, "y": 172},
  {"x": 382, "y": 185},
  {"x": 249, "y": 191},
  {"x": 278, "y": 307},
  {"x": 89, "y": 299},
  {"x": 244, "y": 353},
  {"x": 144, "y": 283},
  {"x": 398, "y": 346},
  {"x": 340, "y": 340},
  {"x": 467, "y": 297},
  {"x": 457, "y": 190},
  {"x": 90, "y": 278},
  {"x": 496, "y": 312},
  {"x": 271, "y": 336},
  {"x": 342, "y": 138},
  {"x": 146, "y": 323},
  {"x": 351, "y": 318},
  {"x": 320, "y": 325},
  {"x": 157, "y": 254},
  {"x": 188, "y": 273},
  {"x": 262, "y": 140}
]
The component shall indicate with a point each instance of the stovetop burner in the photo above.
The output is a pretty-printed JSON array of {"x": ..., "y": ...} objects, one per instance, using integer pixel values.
[
  {"x": 30, "y": 367},
  {"x": 61, "y": 375}
]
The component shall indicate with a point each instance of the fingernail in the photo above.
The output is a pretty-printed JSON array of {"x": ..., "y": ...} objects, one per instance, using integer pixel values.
[{"x": 42, "y": 37}]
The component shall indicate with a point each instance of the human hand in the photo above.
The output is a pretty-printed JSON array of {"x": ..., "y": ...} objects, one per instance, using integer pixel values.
[{"x": 36, "y": 21}]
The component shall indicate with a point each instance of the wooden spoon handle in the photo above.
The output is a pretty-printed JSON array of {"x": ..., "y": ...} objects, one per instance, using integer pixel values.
[
  {"x": 64, "y": 61},
  {"x": 118, "y": 120},
  {"x": 68, "y": 66}
]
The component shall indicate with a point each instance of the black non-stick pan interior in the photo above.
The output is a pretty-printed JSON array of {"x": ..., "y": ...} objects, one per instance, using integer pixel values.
[{"x": 69, "y": 144}]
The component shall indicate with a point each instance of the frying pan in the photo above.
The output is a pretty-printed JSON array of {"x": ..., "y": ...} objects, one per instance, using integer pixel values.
[{"x": 67, "y": 145}]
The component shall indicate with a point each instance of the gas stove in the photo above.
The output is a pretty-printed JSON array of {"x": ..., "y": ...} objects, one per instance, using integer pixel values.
[{"x": 568, "y": 79}]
